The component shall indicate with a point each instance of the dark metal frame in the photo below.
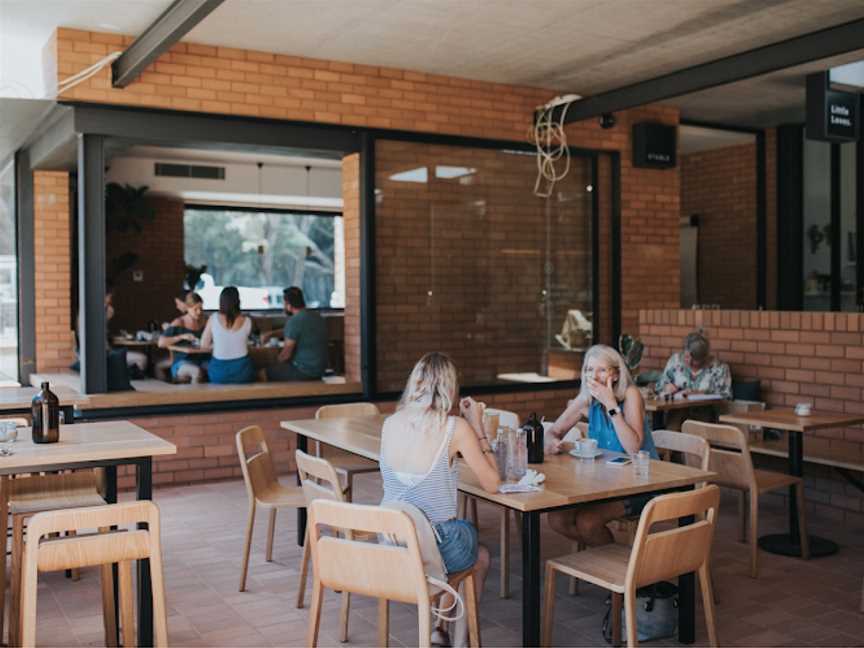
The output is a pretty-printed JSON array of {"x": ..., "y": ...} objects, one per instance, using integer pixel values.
[
  {"x": 174, "y": 23},
  {"x": 368, "y": 288},
  {"x": 836, "y": 229},
  {"x": 821, "y": 44},
  {"x": 790, "y": 220},
  {"x": 25, "y": 249}
]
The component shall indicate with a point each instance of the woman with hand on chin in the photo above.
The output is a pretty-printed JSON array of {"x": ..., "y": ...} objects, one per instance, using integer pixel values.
[{"x": 615, "y": 411}]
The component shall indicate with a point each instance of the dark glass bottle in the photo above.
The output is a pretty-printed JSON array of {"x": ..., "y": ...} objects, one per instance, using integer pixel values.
[
  {"x": 534, "y": 432},
  {"x": 46, "y": 416}
]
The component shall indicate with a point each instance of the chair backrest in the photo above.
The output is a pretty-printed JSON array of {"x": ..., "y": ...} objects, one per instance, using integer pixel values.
[
  {"x": 730, "y": 454},
  {"x": 259, "y": 474},
  {"x": 660, "y": 555},
  {"x": 42, "y": 553},
  {"x": 318, "y": 478},
  {"x": 696, "y": 451},
  {"x": 347, "y": 410},
  {"x": 744, "y": 407},
  {"x": 394, "y": 572},
  {"x": 505, "y": 418}
]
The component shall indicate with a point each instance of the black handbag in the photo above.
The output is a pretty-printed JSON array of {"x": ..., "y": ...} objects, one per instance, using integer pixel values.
[{"x": 656, "y": 613}]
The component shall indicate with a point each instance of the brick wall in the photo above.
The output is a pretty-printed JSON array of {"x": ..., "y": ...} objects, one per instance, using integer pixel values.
[
  {"x": 351, "y": 224},
  {"x": 720, "y": 187},
  {"x": 52, "y": 259},
  {"x": 812, "y": 357},
  {"x": 160, "y": 251}
]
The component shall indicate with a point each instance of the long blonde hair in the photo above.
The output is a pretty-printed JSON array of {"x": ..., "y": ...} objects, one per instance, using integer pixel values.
[
  {"x": 432, "y": 386},
  {"x": 612, "y": 359}
]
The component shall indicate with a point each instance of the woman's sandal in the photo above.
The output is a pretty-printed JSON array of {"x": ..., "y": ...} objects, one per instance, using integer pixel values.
[{"x": 440, "y": 637}]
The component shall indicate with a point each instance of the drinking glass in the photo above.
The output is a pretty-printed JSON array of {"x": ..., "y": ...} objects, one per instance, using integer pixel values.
[
  {"x": 642, "y": 463},
  {"x": 8, "y": 435}
]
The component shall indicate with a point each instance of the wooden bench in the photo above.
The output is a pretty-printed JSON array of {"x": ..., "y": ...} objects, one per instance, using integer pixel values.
[
  {"x": 150, "y": 392},
  {"x": 843, "y": 463}
]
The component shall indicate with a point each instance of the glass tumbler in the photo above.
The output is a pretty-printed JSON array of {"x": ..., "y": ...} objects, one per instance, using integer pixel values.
[{"x": 642, "y": 463}]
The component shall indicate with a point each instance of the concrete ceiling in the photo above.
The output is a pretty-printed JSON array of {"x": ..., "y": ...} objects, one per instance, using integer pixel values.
[
  {"x": 695, "y": 139},
  {"x": 582, "y": 46}
]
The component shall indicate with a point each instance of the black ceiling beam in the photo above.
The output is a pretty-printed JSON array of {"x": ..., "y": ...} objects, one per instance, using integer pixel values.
[
  {"x": 174, "y": 23},
  {"x": 817, "y": 45}
]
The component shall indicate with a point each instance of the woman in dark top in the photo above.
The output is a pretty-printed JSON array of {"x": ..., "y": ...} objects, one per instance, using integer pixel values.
[{"x": 184, "y": 330}]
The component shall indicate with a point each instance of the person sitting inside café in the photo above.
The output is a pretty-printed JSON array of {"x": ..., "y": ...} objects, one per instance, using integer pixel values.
[
  {"x": 227, "y": 335},
  {"x": 186, "y": 330},
  {"x": 695, "y": 371},
  {"x": 304, "y": 356}
]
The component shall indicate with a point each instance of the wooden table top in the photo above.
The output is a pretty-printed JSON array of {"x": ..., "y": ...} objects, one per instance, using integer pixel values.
[
  {"x": 20, "y": 398},
  {"x": 785, "y": 418},
  {"x": 569, "y": 480},
  {"x": 657, "y": 405},
  {"x": 83, "y": 442}
]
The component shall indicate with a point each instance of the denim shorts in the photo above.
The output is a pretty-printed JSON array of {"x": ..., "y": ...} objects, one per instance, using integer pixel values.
[{"x": 458, "y": 544}]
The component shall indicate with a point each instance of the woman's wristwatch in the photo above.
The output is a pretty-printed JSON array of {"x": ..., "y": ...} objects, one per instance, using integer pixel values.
[{"x": 612, "y": 412}]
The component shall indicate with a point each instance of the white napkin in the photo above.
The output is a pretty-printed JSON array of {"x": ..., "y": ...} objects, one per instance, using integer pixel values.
[{"x": 531, "y": 482}]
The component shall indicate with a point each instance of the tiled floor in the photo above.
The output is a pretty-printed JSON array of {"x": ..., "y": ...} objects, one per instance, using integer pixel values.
[{"x": 793, "y": 603}]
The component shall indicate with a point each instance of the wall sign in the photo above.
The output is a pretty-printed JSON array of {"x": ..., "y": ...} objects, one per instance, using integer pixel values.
[
  {"x": 832, "y": 116},
  {"x": 654, "y": 145}
]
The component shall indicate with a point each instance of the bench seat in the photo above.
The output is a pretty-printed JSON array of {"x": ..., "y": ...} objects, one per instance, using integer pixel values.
[
  {"x": 150, "y": 392},
  {"x": 822, "y": 457}
]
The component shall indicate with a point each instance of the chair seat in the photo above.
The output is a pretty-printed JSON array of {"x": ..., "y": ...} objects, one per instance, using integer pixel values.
[
  {"x": 769, "y": 480},
  {"x": 283, "y": 496},
  {"x": 604, "y": 566}
]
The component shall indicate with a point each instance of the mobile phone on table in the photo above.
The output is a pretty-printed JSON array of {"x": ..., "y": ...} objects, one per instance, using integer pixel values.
[{"x": 618, "y": 461}]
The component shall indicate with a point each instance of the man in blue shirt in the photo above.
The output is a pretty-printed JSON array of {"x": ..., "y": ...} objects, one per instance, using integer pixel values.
[{"x": 304, "y": 356}]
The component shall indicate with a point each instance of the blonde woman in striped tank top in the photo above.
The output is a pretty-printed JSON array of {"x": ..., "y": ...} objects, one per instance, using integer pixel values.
[{"x": 419, "y": 444}]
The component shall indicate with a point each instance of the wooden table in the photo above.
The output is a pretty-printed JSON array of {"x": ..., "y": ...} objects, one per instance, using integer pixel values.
[
  {"x": 659, "y": 407},
  {"x": 19, "y": 400},
  {"x": 569, "y": 482},
  {"x": 94, "y": 445},
  {"x": 785, "y": 420}
]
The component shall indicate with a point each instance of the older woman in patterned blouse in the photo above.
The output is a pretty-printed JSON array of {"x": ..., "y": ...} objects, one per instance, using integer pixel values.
[{"x": 694, "y": 370}]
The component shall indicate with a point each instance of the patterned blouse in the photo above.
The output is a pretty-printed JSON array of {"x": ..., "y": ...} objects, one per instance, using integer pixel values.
[{"x": 714, "y": 378}]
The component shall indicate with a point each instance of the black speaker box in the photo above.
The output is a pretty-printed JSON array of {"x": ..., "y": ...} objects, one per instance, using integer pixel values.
[{"x": 654, "y": 145}]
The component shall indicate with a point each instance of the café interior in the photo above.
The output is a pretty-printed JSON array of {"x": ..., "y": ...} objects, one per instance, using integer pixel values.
[{"x": 455, "y": 196}]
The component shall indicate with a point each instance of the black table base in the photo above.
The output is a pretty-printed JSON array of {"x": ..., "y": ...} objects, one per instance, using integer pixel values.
[
  {"x": 782, "y": 544},
  {"x": 303, "y": 446}
]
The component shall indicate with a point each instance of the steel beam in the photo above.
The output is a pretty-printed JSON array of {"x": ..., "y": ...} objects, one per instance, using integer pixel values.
[
  {"x": 24, "y": 224},
  {"x": 814, "y": 46},
  {"x": 174, "y": 23},
  {"x": 91, "y": 264}
]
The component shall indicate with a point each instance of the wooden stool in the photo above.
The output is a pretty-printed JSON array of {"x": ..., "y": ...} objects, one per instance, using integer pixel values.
[{"x": 43, "y": 554}]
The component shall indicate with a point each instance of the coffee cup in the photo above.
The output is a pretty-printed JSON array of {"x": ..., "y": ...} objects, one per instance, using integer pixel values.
[{"x": 803, "y": 409}]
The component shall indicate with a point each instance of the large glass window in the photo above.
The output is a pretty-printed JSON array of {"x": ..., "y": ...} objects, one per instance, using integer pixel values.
[
  {"x": 470, "y": 262},
  {"x": 264, "y": 251},
  {"x": 848, "y": 228},
  {"x": 8, "y": 276},
  {"x": 817, "y": 226}
]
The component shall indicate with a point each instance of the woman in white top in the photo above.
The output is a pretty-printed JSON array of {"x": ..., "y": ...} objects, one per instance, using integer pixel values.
[
  {"x": 226, "y": 336},
  {"x": 419, "y": 444}
]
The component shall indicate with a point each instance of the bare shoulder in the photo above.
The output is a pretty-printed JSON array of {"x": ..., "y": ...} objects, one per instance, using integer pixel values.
[
  {"x": 461, "y": 430},
  {"x": 633, "y": 397}
]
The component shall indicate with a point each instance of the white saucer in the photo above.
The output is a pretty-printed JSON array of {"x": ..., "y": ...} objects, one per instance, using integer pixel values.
[{"x": 592, "y": 455}]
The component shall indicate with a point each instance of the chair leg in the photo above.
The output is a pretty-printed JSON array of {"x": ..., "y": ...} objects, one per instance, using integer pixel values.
[
  {"x": 472, "y": 612},
  {"x": 617, "y": 602},
  {"x": 304, "y": 571},
  {"x": 250, "y": 525},
  {"x": 802, "y": 521},
  {"x": 271, "y": 531},
  {"x": 424, "y": 621},
  {"x": 344, "y": 610},
  {"x": 742, "y": 516},
  {"x": 754, "y": 534},
  {"x": 74, "y": 574},
  {"x": 707, "y": 588},
  {"x": 109, "y": 620},
  {"x": 573, "y": 585},
  {"x": 383, "y": 622},
  {"x": 127, "y": 603},
  {"x": 504, "y": 591},
  {"x": 315, "y": 613},
  {"x": 548, "y": 606},
  {"x": 630, "y": 612},
  {"x": 15, "y": 587}
]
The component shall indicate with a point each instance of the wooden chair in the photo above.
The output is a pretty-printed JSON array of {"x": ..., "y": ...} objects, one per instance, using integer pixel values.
[
  {"x": 730, "y": 459},
  {"x": 744, "y": 407},
  {"x": 656, "y": 556},
  {"x": 347, "y": 466},
  {"x": 320, "y": 482},
  {"x": 23, "y": 496},
  {"x": 263, "y": 489},
  {"x": 43, "y": 554},
  {"x": 386, "y": 572}
]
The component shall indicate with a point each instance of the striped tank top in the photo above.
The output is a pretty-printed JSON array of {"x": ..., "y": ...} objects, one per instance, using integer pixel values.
[{"x": 433, "y": 492}]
